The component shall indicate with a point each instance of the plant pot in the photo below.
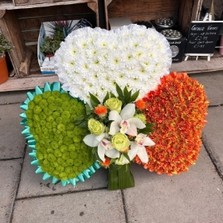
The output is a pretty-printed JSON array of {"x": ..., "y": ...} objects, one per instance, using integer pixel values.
[{"x": 4, "y": 74}]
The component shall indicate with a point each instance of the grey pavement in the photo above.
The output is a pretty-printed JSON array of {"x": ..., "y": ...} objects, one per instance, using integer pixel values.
[{"x": 192, "y": 197}]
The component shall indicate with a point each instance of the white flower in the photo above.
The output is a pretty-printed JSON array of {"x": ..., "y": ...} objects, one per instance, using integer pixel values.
[
  {"x": 117, "y": 56},
  {"x": 125, "y": 122},
  {"x": 104, "y": 146},
  {"x": 138, "y": 147}
]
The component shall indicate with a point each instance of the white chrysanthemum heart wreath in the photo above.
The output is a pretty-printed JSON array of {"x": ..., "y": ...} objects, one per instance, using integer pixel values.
[{"x": 93, "y": 60}]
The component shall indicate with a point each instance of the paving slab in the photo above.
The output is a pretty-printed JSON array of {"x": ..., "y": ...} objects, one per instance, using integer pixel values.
[
  {"x": 12, "y": 142},
  {"x": 31, "y": 184},
  {"x": 98, "y": 206},
  {"x": 192, "y": 197},
  {"x": 12, "y": 97},
  {"x": 213, "y": 136},
  {"x": 9, "y": 177},
  {"x": 213, "y": 85}
]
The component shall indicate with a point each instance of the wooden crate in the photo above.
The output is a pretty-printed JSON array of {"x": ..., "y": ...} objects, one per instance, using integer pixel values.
[
  {"x": 28, "y": 2},
  {"x": 33, "y": 2},
  {"x": 21, "y": 27},
  {"x": 183, "y": 10},
  {"x": 20, "y": 20}
]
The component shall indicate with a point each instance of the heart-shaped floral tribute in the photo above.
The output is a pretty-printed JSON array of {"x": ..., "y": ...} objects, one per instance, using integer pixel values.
[{"x": 126, "y": 108}]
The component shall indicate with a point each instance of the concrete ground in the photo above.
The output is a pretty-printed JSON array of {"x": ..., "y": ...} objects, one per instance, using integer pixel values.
[{"x": 192, "y": 197}]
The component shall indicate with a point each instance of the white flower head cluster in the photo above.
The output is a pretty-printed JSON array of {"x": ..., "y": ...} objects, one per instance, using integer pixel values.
[{"x": 93, "y": 60}]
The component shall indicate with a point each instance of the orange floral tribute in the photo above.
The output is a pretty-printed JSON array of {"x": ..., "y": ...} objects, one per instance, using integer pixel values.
[{"x": 178, "y": 108}]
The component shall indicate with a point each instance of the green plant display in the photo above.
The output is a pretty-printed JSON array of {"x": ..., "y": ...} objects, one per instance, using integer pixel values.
[{"x": 58, "y": 32}]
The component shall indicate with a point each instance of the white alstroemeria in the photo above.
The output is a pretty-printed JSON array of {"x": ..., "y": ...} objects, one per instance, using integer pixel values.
[
  {"x": 125, "y": 122},
  {"x": 104, "y": 146},
  {"x": 138, "y": 147}
]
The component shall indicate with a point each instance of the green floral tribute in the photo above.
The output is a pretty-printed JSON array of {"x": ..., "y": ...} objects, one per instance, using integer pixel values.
[{"x": 57, "y": 143}]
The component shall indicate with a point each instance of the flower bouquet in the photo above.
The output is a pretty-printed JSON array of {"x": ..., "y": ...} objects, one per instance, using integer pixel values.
[
  {"x": 124, "y": 107},
  {"x": 118, "y": 133}
]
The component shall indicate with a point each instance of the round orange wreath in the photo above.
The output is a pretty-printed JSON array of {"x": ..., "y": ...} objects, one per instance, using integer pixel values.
[{"x": 178, "y": 107}]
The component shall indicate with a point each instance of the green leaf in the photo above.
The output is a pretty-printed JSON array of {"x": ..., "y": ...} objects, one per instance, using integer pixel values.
[
  {"x": 95, "y": 154},
  {"x": 112, "y": 95},
  {"x": 126, "y": 156},
  {"x": 79, "y": 121},
  {"x": 107, "y": 96},
  {"x": 120, "y": 177},
  {"x": 88, "y": 109},
  {"x": 94, "y": 100},
  {"x": 126, "y": 92},
  {"x": 148, "y": 129},
  {"x": 135, "y": 96},
  {"x": 120, "y": 93},
  {"x": 127, "y": 95}
]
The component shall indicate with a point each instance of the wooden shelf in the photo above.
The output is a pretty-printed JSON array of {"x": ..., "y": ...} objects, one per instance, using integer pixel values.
[
  {"x": 28, "y": 83},
  {"x": 11, "y": 6}
]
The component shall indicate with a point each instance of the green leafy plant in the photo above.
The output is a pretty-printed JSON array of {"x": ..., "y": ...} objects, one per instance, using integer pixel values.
[
  {"x": 4, "y": 45},
  {"x": 59, "y": 31},
  {"x": 50, "y": 46}
]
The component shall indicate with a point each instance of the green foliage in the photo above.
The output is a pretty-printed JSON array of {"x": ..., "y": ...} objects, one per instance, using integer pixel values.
[
  {"x": 50, "y": 46},
  {"x": 4, "y": 44},
  {"x": 126, "y": 96},
  {"x": 148, "y": 129},
  {"x": 94, "y": 100},
  {"x": 60, "y": 149},
  {"x": 59, "y": 31}
]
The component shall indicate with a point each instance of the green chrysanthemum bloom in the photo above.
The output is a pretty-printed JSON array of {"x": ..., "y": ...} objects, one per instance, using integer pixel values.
[{"x": 59, "y": 146}]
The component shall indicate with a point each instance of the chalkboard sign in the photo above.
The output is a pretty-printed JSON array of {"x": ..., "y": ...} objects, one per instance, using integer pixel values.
[{"x": 202, "y": 37}]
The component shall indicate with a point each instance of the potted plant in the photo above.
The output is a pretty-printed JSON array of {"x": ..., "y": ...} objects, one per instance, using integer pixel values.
[
  {"x": 50, "y": 46},
  {"x": 4, "y": 47},
  {"x": 51, "y": 43}
]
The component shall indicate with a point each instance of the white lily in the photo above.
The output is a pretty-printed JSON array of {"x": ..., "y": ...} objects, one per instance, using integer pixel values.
[
  {"x": 125, "y": 122},
  {"x": 104, "y": 146},
  {"x": 138, "y": 147}
]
